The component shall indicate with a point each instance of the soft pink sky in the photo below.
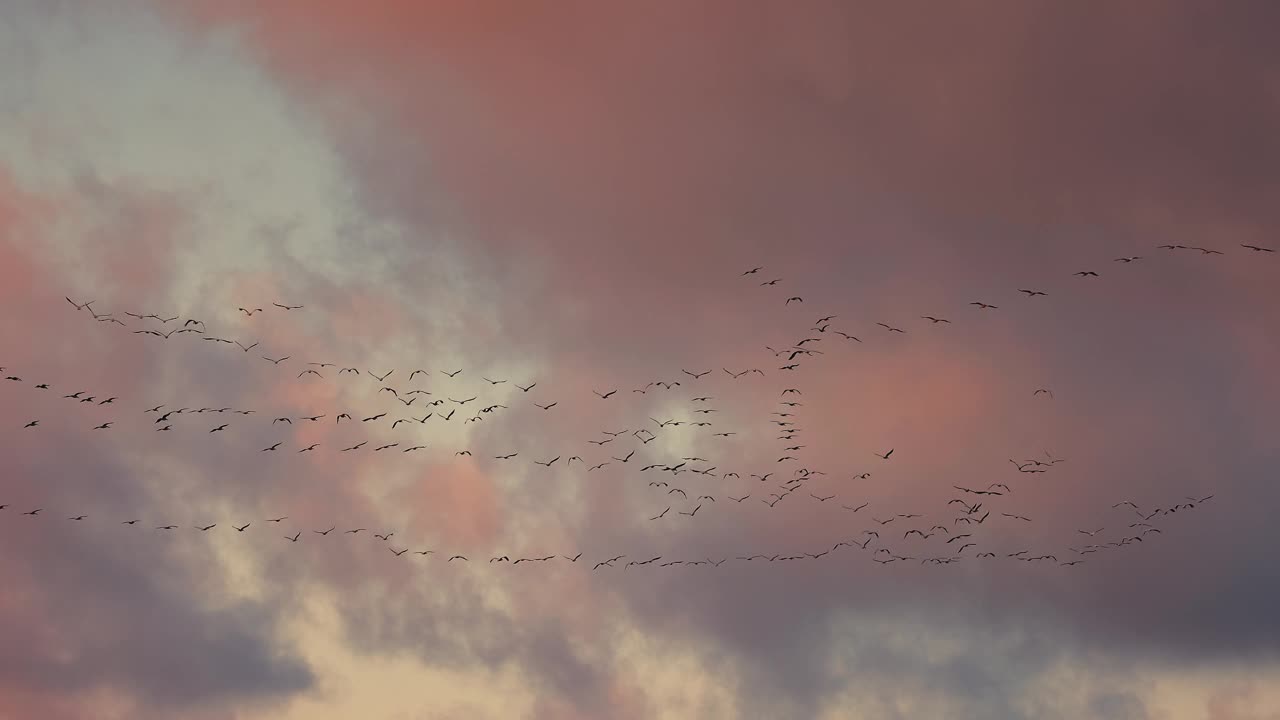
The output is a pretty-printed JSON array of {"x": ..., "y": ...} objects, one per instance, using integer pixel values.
[{"x": 567, "y": 194}]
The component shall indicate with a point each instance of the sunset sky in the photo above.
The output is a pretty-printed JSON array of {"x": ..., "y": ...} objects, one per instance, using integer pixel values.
[{"x": 568, "y": 194}]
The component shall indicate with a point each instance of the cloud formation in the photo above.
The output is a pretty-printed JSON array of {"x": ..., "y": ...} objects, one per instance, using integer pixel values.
[{"x": 567, "y": 194}]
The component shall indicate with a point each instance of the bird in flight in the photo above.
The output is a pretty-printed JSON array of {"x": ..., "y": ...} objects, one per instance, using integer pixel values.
[
  {"x": 1255, "y": 248},
  {"x": 1086, "y": 273},
  {"x": 1030, "y": 293},
  {"x": 287, "y": 307},
  {"x": 549, "y": 462},
  {"x": 985, "y": 306},
  {"x": 884, "y": 456},
  {"x": 1043, "y": 390},
  {"x": 452, "y": 374},
  {"x": 752, "y": 271},
  {"x": 934, "y": 320},
  {"x": 604, "y": 396}
]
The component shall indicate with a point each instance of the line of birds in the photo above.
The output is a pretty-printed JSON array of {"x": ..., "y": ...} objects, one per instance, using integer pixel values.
[
  {"x": 787, "y": 427},
  {"x": 863, "y": 541}
]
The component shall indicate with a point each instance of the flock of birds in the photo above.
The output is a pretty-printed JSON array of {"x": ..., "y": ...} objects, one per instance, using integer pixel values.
[{"x": 942, "y": 539}]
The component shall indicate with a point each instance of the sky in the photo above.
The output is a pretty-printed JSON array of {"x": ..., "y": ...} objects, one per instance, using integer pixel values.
[{"x": 568, "y": 194}]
